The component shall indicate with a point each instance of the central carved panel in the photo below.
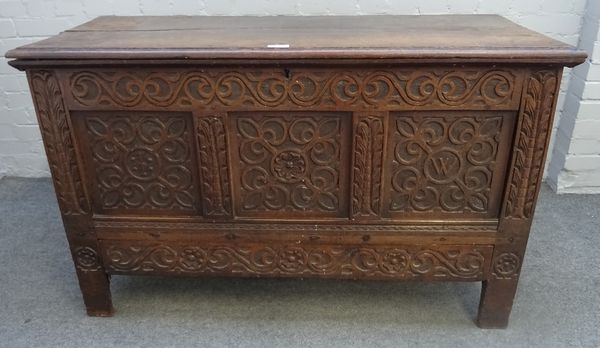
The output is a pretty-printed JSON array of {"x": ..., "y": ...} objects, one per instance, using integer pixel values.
[
  {"x": 447, "y": 162},
  {"x": 293, "y": 163}
]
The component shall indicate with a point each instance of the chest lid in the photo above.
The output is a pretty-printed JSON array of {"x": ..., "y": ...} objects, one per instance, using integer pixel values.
[{"x": 435, "y": 39}]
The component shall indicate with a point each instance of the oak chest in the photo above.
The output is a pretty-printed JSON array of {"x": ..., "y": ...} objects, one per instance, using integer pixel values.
[{"x": 375, "y": 147}]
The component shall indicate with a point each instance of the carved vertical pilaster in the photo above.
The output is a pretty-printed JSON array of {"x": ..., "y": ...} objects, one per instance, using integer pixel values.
[
  {"x": 55, "y": 129},
  {"x": 73, "y": 201},
  {"x": 367, "y": 164},
  {"x": 214, "y": 167},
  {"x": 532, "y": 135}
]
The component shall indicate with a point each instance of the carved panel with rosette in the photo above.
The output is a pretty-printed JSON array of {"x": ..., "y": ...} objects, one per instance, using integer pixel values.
[
  {"x": 447, "y": 163},
  {"x": 292, "y": 163},
  {"x": 140, "y": 162}
]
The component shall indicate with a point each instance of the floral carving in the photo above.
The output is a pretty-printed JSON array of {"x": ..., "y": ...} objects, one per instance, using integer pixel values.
[
  {"x": 289, "y": 162},
  {"x": 444, "y": 262},
  {"x": 289, "y": 166},
  {"x": 216, "y": 197},
  {"x": 86, "y": 259},
  {"x": 58, "y": 141},
  {"x": 272, "y": 88},
  {"x": 292, "y": 259},
  {"x": 141, "y": 161},
  {"x": 395, "y": 261},
  {"x": 367, "y": 168},
  {"x": 534, "y": 129},
  {"x": 443, "y": 163},
  {"x": 506, "y": 265},
  {"x": 192, "y": 258}
]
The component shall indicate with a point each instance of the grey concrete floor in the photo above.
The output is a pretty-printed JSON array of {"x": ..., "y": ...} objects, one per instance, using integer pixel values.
[{"x": 558, "y": 302}]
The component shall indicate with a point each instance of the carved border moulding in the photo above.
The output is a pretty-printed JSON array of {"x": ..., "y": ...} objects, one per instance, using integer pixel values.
[
  {"x": 214, "y": 167},
  {"x": 58, "y": 140},
  {"x": 367, "y": 168},
  {"x": 345, "y": 261},
  {"x": 305, "y": 228},
  {"x": 535, "y": 122},
  {"x": 338, "y": 89}
]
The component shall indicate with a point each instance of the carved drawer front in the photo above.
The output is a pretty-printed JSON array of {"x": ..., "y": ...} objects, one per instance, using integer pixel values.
[
  {"x": 139, "y": 162},
  {"x": 292, "y": 164},
  {"x": 447, "y": 163}
]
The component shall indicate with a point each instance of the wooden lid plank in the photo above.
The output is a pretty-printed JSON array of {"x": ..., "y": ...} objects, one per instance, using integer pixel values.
[{"x": 304, "y": 37}]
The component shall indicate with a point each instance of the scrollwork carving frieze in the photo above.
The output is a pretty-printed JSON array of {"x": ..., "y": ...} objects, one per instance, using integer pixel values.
[
  {"x": 442, "y": 262},
  {"x": 391, "y": 88}
]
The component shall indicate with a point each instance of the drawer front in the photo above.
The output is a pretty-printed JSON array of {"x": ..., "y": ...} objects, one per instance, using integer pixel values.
[{"x": 387, "y": 145}]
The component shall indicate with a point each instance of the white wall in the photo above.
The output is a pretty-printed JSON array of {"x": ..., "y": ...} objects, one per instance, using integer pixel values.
[
  {"x": 575, "y": 162},
  {"x": 25, "y": 21}
]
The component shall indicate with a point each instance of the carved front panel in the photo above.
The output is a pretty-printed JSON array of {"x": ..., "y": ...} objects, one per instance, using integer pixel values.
[
  {"x": 139, "y": 163},
  {"x": 447, "y": 163},
  {"x": 293, "y": 163}
]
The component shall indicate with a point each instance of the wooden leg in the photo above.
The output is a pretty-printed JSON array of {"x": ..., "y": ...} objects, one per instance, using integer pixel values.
[
  {"x": 94, "y": 282},
  {"x": 96, "y": 293},
  {"x": 496, "y": 303}
]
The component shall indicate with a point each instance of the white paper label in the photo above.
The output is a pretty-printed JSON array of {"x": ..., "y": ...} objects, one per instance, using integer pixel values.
[{"x": 278, "y": 46}]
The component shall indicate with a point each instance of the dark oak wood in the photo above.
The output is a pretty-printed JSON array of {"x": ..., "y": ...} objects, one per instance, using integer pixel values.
[
  {"x": 446, "y": 37},
  {"x": 388, "y": 147}
]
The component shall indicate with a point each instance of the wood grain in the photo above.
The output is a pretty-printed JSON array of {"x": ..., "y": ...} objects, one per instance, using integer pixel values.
[{"x": 376, "y": 147}]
